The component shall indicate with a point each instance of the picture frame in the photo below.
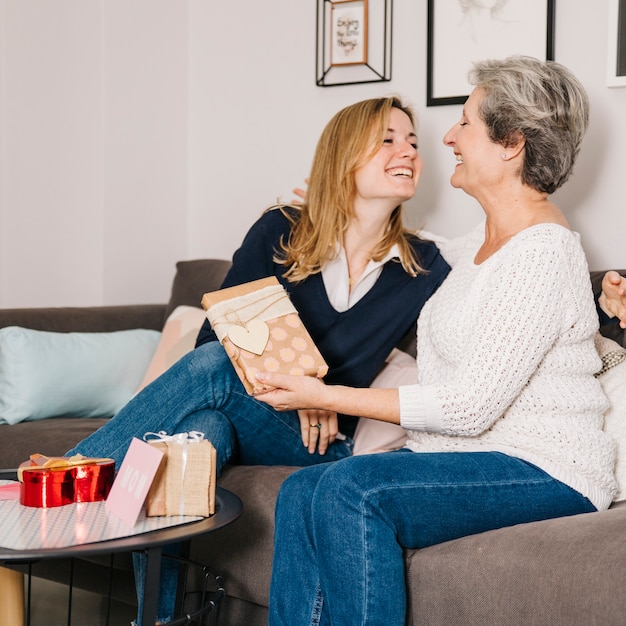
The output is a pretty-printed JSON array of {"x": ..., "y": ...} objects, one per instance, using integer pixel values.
[
  {"x": 348, "y": 32},
  {"x": 461, "y": 33},
  {"x": 616, "y": 61},
  {"x": 354, "y": 42}
]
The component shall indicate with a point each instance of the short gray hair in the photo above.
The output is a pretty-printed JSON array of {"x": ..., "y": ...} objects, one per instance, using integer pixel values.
[{"x": 541, "y": 101}]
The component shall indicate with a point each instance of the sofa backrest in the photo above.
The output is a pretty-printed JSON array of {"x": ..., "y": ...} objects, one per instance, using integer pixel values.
[
  {"x": 193, "y": 279},
  {"x": 96, "y": 319}
]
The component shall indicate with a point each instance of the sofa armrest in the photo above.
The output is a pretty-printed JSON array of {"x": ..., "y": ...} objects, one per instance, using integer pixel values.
[{"x": 95, "y": 319}]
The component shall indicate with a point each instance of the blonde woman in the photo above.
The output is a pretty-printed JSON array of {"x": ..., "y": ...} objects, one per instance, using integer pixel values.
[{"x": 357, "y": 278}]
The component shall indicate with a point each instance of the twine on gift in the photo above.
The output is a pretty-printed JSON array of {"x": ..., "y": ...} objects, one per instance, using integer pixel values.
[
  {"x": 194, "y": 436},
  {"x": 263, "y": 304}
]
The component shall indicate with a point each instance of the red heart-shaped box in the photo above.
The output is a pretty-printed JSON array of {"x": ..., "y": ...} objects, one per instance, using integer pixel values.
[{"x": 55, "y": 481}]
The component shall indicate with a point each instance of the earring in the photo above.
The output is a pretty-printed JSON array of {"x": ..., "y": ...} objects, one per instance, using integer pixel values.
[{"x": 503, "y": 155}]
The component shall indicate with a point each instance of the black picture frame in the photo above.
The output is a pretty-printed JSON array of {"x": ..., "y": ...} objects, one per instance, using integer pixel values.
[
  {"x": 457, "y": 38},
  {"x": 348, "y": 32},
  {"x": 616, "y": 62},
  {"x": 370, "y": 59}
]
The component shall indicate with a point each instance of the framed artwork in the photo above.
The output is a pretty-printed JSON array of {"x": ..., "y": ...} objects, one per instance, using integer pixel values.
[
  {"x": 461, "y": 32},
  {"x": 348, "y": 32},
  {"x": 616, "y": 64},
  {"x": 353, "y": 42}
]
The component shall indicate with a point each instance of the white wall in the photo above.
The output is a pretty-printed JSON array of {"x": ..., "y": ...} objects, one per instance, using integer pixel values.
[
  {"x": 93, "y": 150},
  {"x": 134, "y": 133}
]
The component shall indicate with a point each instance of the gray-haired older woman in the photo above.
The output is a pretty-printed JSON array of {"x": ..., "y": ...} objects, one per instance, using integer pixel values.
[{"x": 505, "y": 423}]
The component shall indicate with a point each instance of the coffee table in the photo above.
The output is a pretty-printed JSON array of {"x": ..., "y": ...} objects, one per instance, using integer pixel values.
[{"x": 228, "y": 508}]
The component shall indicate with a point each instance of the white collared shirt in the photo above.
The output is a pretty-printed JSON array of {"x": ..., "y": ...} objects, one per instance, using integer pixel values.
[{"x": 337, "y": 279}]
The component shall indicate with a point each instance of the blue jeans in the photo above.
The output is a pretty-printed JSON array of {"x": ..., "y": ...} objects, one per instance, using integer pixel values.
[
  {"x": 202, "y": 392},
  {"x": 341, "y": 528}
]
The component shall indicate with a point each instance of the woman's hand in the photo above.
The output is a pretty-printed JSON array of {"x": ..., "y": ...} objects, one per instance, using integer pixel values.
[
  {"x": 613, "y": 296},
  {"x": 300, "y": 193},
  {"x": 291, "y": 393},
  {"x": 319, "y": 429}
]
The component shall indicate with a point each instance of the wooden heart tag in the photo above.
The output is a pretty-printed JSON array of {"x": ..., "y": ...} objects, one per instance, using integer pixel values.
[{"x": 252, "y": 337}]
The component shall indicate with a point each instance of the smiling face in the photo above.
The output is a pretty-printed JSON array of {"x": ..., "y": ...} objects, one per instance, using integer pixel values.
[
  {"x": 479, "y": 160},
  {"x": 393, "y": 172}
]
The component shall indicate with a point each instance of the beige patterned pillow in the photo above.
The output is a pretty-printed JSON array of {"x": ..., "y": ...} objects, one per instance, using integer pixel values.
[
  {"x": 612, "y": 377},
  {"x": 177, "y": 338}
]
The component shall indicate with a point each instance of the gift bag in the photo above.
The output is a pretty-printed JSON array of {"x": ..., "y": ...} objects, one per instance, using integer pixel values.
[
  {"x": 185, "y": 481},
  {"x": 261, "y": 330}
]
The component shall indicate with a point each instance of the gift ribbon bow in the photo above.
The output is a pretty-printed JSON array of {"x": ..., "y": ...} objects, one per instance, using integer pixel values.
[
  {"x": 40, "y": 461},
  {"x": 183, "y": 439},
  {"x": 195, "y": 436},
  {"x": 243, "y": 318}
]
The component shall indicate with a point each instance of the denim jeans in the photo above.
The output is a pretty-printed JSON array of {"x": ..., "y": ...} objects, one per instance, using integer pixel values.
[
  {"x": 341, "y": 528},
  {"x": 202, "y": 392}
]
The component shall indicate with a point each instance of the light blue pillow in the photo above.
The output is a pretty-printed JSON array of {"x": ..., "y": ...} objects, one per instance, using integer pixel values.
[{"x": 45, "y": 374}]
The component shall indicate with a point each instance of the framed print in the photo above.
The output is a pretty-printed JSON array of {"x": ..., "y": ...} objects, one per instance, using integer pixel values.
[
  {"x": 353, "y": 42},
  {"x": 616, "y": 64},
  {"x": 348, "y": 32},
  {"x": 461, "y": 32}
]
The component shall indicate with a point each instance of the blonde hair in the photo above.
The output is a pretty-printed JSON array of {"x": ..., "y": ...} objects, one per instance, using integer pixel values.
[{"x": 349, "y": 140}]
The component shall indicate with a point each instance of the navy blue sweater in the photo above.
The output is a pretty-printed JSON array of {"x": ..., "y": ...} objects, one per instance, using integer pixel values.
[{"x": 355, "y": 342}]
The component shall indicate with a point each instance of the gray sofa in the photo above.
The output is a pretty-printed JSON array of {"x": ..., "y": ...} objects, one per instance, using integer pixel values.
[{"x": 565, "y": 571}]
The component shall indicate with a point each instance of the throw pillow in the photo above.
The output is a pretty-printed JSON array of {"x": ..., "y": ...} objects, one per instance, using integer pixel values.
[
  {"x": 372, "y": 435},
  {"x": 178, "y": 337},
  {"x": 612, "y": 377},
  {"x": 45, "y": 374}
]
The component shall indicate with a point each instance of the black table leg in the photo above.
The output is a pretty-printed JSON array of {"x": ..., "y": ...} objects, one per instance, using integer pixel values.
[{"x": 151, "y": 591}]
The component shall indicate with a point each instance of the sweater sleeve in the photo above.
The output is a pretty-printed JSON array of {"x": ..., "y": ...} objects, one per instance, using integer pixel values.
[{"x": 523, "y": 303}]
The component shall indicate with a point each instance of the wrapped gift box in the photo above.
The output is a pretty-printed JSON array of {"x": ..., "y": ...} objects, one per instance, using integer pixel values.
[
  {"x": 185, "y": 481},
  {"x": 261, "y": 330},
  {"x": 55, "y": 481}
]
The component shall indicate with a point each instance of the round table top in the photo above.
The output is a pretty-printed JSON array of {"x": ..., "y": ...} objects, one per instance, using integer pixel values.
[{"x": 228, "y": 508}]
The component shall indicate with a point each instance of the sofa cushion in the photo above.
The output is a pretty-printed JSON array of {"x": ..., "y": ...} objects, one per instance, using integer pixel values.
[
  {"x": 242, "y": 551},
  {"x": 53, "y": 437},
  {"x": 193, "y": 279},
  {"x": 558, "y": 572},
  {"x": 45, "y": 374},
  {"x": 373, "y": 436},
  {"x": 177, "y": 338}
]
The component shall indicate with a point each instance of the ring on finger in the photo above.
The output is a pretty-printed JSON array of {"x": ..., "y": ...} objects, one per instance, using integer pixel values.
[{"x": 316, "y": 425}]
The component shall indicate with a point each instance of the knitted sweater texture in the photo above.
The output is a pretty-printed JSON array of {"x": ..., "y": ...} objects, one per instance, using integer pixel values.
[{"x": 513, "y": 338}]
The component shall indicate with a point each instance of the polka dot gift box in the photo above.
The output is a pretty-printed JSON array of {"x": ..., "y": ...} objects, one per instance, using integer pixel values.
[{"x": 261, "y": 331}]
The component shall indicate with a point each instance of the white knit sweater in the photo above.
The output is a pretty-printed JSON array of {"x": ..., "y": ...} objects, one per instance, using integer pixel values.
[{"x": 506, "y": 361}]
